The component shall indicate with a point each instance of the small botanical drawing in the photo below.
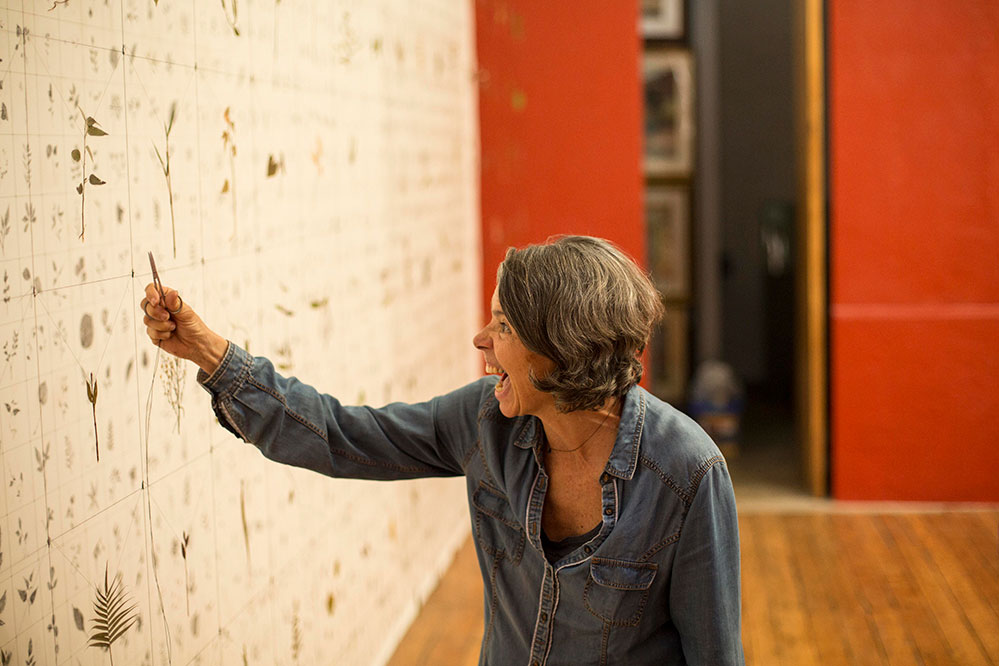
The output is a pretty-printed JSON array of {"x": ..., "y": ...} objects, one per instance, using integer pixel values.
[
  {"x": 6, "y": 658},
  {"x": 173, "y": 372},
  {"x": 77, "y": 618},
  {"x": 348, "y": 45},
  {"x": 233, "y": 21},
  {"x": 4, "y": 230},
  {"x": 90, "y": 128},
  {"x": 10, "y": 349},
  {"x": 114, "y": 614},
  {"x": 273, "y": 166},
  {"x": 229, "y": 146},
  {"x": 42, "y": 457},
  {"x": 27, "y": 157},
  {"x": 284, "y": 360},
  {"x": 3, "y": 604},
  {"x": 92, "y": 397},
  {"x": 165, "y": 165},
  {"x": 86, "y": 331},
  {"x": 317, "y": 156},
  {"x": 242, "y": 515},
  {"x": 30, "y": 590},
  {"x": 30, "y": 661},
  {"x": 185, "y": 543},
  {"x": 296, "y": 634},
  {"x": 54, "y": 629},
  {"x": 29, "y": 217},
  {"x": 21, "y": 533}
]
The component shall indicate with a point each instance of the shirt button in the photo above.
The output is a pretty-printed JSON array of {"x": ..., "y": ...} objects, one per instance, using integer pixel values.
[
  {"x": 609, "y": 511},
  {"x": 544, "y": 617},
  {"x": 604, "y": 478},
  {"x": 587, "y": 550}
]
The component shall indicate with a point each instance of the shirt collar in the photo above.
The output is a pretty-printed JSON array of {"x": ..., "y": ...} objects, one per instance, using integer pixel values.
[{"x": 624, "y": 457}]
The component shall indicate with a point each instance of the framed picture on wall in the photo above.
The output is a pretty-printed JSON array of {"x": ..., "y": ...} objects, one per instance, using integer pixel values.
[
  {"x": 670, "y": 355},
  {"x": 667, "y": 225},
  {"x": 669, "y": 113},
  {"x": 662, "y": 19}
]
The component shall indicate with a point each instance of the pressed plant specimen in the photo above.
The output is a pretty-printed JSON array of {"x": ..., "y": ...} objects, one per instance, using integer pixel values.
[
  {"x": 234, "y": 20},
  {"x": 246, "y": 527},
  {"x": 90, "y": 128},
  {"x": 185, "y": 543},
  {"x": 229, "y": 146},
  {"x": 174, "y": 372},
  {"x": 92, "y": 397},
  {"x": 165, "y": 166},
  {"x": 114, "y": 614}
]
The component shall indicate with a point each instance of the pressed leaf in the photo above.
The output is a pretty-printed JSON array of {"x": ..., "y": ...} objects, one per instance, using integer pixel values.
[
  {"x": 93, "y": 129},
  {"x": 114, "y": 613},
  {"x": 3, "y": 601},
  {"x": 173, "y": 116},
  {"x": 75, "y": 154},
  {"x": 225, "y": 186},
  {"x": 159, "y": 157},
  {"x": 94, "y": 180},
  {"x": 78, "y": 618},
  {"x": 79, "y": 188}
]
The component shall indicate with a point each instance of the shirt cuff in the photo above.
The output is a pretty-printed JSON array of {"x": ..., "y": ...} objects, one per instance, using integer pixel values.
[{"x": 230, "y": 374}]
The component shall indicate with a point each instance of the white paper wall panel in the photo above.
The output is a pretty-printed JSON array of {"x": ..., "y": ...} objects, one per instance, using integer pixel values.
[{"x": 319, "y": 208}]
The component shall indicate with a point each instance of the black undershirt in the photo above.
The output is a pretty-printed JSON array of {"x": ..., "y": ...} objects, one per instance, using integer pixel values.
[{"x": 556, "y": 550}]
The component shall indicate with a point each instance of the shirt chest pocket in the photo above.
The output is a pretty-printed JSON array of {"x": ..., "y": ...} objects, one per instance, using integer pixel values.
[
  {"x": 616, "y": 591},
  {"x": 496, "y": 528}
]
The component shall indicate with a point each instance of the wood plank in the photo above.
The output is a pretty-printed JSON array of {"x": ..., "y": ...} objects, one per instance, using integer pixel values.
[
  {"x": 967, "y": 588},
  {"x": 787, "y": 621},
  {"x": 831, "y": 606},
  {"x": 923, "y": 626},
  {"x": 889, "y": 640},
  {"x": 758, "y": 640}
]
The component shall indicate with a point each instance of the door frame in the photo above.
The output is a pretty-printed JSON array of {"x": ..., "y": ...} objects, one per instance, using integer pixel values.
[{"x": 812, "y": 289}]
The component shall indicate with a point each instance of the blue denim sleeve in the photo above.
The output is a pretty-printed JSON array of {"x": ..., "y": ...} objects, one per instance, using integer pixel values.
[
  {"x": 705, "y": 594},
  {"x": 291, "y": 422}
]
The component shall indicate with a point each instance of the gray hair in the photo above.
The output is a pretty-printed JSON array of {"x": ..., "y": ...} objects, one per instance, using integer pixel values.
[{"x": 582, "y": 303}]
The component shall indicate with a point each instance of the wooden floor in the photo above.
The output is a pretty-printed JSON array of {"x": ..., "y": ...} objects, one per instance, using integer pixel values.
[{"x": 820, "y": 587}]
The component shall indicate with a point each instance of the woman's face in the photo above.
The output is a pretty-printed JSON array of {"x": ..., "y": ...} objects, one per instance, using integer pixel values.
[{"x": 506, "y": 356}]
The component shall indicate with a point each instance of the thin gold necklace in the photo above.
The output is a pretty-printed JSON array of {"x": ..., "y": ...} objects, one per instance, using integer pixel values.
[{"x": 599, "y": 426}]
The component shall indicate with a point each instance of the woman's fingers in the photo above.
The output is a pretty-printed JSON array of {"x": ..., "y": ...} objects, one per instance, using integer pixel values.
[
  {"x": 157, "y": 329},
  {"x": 151, "y": 305}
]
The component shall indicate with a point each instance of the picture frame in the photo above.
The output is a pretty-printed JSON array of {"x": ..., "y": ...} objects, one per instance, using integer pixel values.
[
  {"x": 662, "y": 19},
  {"x": 669, "y": 113},
  {"x": 670, "y": 355},
  {"x": 667, "y": 228}
]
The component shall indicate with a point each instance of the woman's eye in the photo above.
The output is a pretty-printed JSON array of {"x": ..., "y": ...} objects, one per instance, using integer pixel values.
[{"x": 503, "y": 327}]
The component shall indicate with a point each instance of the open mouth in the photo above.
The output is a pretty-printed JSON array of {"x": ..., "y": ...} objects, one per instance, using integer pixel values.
[{"x": 501, "y": 385}]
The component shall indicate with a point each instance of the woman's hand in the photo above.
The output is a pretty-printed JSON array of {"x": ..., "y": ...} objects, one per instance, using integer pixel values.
[{"x": 177, "y": 329}]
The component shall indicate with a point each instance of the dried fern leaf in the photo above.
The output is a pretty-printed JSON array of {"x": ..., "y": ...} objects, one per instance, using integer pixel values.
[{"x": 114, "y": 613}]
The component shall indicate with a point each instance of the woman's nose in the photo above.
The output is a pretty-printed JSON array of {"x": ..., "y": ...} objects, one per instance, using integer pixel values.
[{"x": 481, "y": 340}]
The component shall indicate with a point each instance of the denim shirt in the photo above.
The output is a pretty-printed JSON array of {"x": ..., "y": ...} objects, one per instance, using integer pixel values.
[{"x": 658, "y": 584}]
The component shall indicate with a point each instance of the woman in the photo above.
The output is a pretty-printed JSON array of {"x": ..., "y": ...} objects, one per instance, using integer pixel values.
[{"x": 604, "y": 519}]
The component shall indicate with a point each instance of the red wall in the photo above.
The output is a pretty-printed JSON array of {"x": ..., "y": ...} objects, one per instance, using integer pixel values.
[
  {"x": 914, "y": 249},
  {"x": 560, "y": 125}
]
